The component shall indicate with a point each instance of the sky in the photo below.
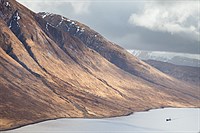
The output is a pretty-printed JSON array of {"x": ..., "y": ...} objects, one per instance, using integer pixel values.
[{"x": 156, "y": 25}]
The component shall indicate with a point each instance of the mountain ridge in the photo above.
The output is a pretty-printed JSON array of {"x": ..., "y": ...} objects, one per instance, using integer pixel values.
[
  {"x": 122, "y": 56},
  {"x": 183, "y": 59},
  {"x": 187, "y": 74}
]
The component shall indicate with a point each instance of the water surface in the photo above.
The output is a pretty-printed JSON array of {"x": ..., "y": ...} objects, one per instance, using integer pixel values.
[{"x": 182, "y": 120}]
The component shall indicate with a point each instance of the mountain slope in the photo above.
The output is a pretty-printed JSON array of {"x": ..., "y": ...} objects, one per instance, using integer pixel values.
[
  {"x": 185, "y": 73},
  {"x": 110, "y": 51},
  {"x": 49, "y": 72}
]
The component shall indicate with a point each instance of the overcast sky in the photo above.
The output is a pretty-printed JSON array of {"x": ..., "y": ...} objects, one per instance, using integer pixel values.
[{"x": 171, "y": 25}]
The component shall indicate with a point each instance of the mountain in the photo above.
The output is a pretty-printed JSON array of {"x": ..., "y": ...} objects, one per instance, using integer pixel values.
[
  {"x": 187, "y": 74},
  {"x": 183, "y": 59},
  {"x": 53, "y": 67}
]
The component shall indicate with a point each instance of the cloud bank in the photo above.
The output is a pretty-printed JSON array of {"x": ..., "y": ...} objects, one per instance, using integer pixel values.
[
  {"x": 75, "y": 7},
  {"x": 173, "y": 17},
  {"x": 171, "y": 25},
  {"x": 80, "y": 7}
]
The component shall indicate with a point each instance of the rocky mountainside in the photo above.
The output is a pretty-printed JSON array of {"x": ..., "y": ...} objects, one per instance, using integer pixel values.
[
  {"x": 185, "y": 73},
  {"x": 183, "y": 59},
  {"x": 53, "y": 67}
]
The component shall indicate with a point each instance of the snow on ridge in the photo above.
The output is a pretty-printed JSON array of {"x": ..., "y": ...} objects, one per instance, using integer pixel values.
[
  {"x": 183, "y": 59},
  {"x": 82, "y": 30},
  {"x": 15, "y": 19},
  {"x": 10, "y": 25},
  {"x": 163, "y": 54},
  {"x": 70, "y": 25},
  {"x": 77, "y": 30},
  {"x": 73, "y": 22},
  {"x": 47, "y": 26},
  {"x": 7, "y": 4},
  {"x": 135, "y": 52},
  {"x": 62, "y": 19},
  {"x": 73, "y": 25},
  {"x": 18, "y": 24},
  {"x": 46, "y": 14}
]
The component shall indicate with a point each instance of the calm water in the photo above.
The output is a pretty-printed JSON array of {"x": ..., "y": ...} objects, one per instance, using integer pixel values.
[{"x": 182, "y": 120}]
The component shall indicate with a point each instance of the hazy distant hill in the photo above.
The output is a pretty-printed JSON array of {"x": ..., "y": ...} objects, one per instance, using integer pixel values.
[
  {"x": 187, "y": 74},
  {"x": 183, "y": 59}
]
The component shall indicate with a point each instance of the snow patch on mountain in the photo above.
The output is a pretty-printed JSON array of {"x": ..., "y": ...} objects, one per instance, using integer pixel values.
[
  {"x": 45, "y": 14},
  {"x": 62, "y": 19},
  {"x": 47, "y": 26},
  {"x": 171, "y": 57},
  {"x": 14, "y": 21},
  {"x": 7, "y": 4}
]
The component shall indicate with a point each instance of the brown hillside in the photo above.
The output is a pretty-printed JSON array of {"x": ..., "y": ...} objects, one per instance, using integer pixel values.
[{"x": 48, "y": 71}]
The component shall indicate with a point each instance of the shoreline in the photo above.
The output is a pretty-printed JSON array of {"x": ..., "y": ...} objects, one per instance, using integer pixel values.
[{"x": 128, "y": 114}]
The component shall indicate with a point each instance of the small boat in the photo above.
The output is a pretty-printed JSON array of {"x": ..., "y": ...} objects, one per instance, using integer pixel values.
[{"x": 168, "y": 119}]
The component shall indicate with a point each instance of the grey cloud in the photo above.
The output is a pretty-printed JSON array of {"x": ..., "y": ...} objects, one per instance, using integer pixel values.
[{"x": 111, "y": 20}]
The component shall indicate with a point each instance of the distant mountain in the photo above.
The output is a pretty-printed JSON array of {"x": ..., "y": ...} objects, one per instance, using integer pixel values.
[
  {"x": 187, "y": 74},
  {"x": 53, "y": 67},
  {"x": 183, "y": 59}
]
